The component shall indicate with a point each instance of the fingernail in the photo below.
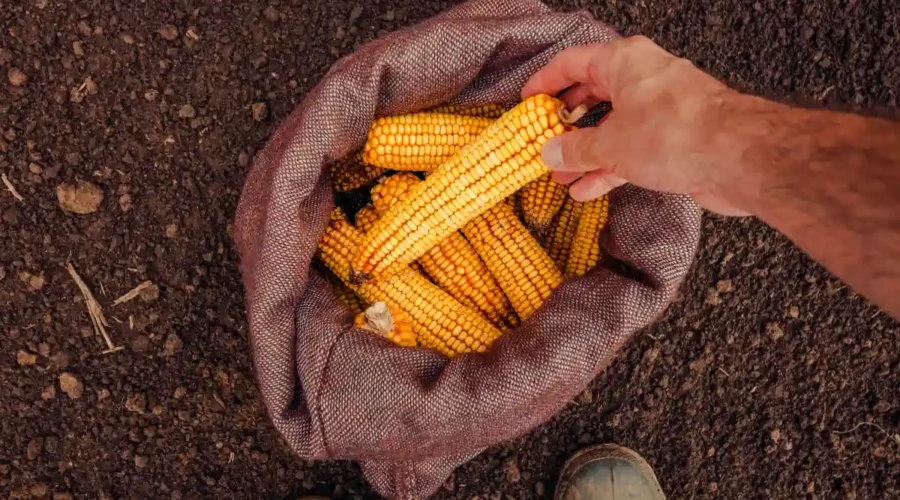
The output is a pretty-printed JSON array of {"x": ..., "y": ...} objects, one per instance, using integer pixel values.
[{"x": 551, "y": 153}]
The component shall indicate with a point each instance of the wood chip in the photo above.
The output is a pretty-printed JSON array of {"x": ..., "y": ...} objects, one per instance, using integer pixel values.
[
  {"x": 133, "y": 293},
  {"x": 11, "y": 188},
  {"x": 94, "y": 310}
]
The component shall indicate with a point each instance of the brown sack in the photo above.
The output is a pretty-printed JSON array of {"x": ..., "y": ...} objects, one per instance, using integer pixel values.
[{"x": 410, "y": 416}]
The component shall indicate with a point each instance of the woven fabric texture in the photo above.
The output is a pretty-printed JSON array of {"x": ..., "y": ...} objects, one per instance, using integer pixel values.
[{"x": 410, "y": 416}]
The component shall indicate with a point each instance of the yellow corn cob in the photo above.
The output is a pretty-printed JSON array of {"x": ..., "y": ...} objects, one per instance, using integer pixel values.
[
  {"x": 439, "y": 321},
  {"x": 453, "y": 264},
  {"x": 540, "y": 202},
  {"x": 485, "y": 110},
  {"x": 419, "y": 141},
  {"x": 585, "y": 251},
  {"x": 365, "y": 218},
  {"x": 389, "y": 322},
  {"x": 349, "y": 297},
  {"x": 351, "y": 173},
  {"x": 525, "y": 272},
  {"x": 503, "y": 159},
  {"x": 343, "y": 293},
  {"x": 558, "y": 238}
]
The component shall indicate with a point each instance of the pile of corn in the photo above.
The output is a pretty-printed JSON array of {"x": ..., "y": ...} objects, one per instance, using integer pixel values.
[{"x": 466, "y": 234}]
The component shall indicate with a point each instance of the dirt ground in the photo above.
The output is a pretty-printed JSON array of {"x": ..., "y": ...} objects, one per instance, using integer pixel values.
[{"x": 767, "y": 379}]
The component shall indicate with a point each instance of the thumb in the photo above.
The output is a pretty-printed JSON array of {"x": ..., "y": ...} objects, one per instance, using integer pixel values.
[{"x": 580, "y": 150}]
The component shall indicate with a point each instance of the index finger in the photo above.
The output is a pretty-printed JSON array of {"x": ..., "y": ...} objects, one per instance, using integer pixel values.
[{"x": 585, "y": 64}]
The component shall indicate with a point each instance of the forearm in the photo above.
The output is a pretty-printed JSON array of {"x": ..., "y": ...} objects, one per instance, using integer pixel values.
[{"x": 829, "y": 181}]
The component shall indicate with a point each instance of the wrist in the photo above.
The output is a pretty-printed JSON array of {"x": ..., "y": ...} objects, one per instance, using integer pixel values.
[{"x": 739, "y": 129}]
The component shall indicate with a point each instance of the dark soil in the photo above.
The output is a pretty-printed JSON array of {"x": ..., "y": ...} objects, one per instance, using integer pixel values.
[{"x": 753, "y": 386}]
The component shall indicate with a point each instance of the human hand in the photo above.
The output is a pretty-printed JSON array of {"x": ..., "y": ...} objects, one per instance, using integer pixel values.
[{"x": 659, "y": 134}]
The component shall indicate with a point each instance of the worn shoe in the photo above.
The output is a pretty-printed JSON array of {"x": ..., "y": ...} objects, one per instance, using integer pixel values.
[{"x": 607, "y": 472}]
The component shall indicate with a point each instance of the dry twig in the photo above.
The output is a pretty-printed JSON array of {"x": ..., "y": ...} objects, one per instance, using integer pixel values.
[
  {"x": 94, "y": 310},
  {"x": 895, "y": 438},
  {"x": 133, "y": 293},
  {"x": 12, "y": 189}
]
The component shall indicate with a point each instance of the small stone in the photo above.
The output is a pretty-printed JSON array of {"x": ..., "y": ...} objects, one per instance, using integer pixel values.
[
  {"x": 39, "y": 490},
  {"x": 793, "y": 312},
  {"x": 25, "y": 358},
  {"x": 60, "y": 360},
  {"x": 41, "y": 4},
  {"x": 125, "y": 202},
  {"x": 141, "y": 343},
  {"x": 243, "y": 159},
  {"x": 192, "y": 36},
  {"x": 724, "y": 286},
  {"x": 168, "y": 32},
  {"x": 180, "y": 392},
  {"x": 712, "y": 297},
  {"x": 511, "y": 469},
  {"x": 774, "y": 331},
  {"x": 171, "y": 231},
  {"x": 714, "y": 20},
  {"x": 775, "y": 435},
  {"x": 51, "y": 444},
  {"x": 713, "y": 487},
  {"x": 48, "y": 393},
  {"x": 158, "y": 410},
  {"x": 539, "y": 488},
  {"x": 11, "y": 215},
  {"x": 150, "y": 293},
  {"x": 354, "y": 14},
  {"x": 103, "y": 393},
  {"x": 586, "y": 397},
  {"x": 34, "y": 168},
  {"x": 71, "y": 384},
  {"x": 136, "y": 403},
  {"x": 78, "y": 49},
  {"x": 34, "y": 448},
  {"x": 172, "y": 345},
  {"x": 272, "y": 14},
  {"x": 184, "y": 415},
  {"x": 34, "y": 281},
  {"x": 62, "y": 496},
  {"x": 16, "y": 77},
  {"x": 151, "y": 94},
  {"x": 90, "y": 86},
  {"x": 187, "y": 111},
  {"x": 141, "y": 461},
  {"x": 127, "y": 38},
  {"x": 44, "y": 349},
  {"x": 259, "y": 110},
  {"x": 83, "y": 198}
]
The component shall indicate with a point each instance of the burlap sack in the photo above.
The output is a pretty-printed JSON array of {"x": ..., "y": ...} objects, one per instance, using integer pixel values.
[{"x": 410, "y": 416}]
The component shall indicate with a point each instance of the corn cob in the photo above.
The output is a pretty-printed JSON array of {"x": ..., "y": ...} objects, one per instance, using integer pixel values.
[
  {"x": 419, "y": 141},
  {"x": 498, "y": 163},
  {"x": 389, "y": 322},
  {"x": 351, "y": 173},
  {"x": 492, "y": 111},
  {"x": 343, "y": 293},
  {"x": 540, "y": 202},
  {"x": 365, "y": 218},
  {"x": 453, "y": 264},
  {"x": 558, "y": 238},
  {"x": 585, "y": 251},
  {"x": 525, "y": 272},
  {"x": 439, "y": 321},
  {"x": 349, "y": 298}
]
